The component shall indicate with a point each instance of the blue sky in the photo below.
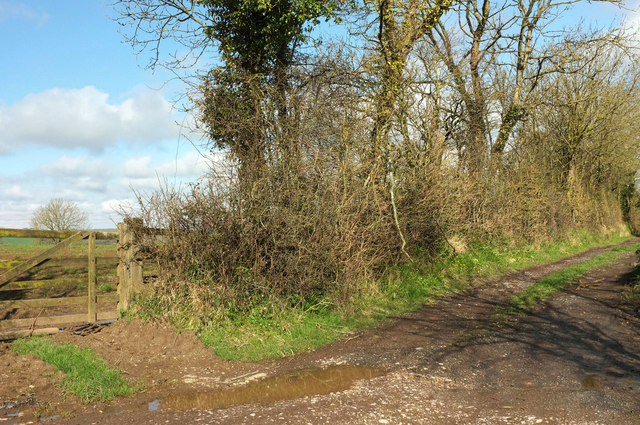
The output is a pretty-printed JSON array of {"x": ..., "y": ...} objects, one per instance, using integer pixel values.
[
  {"x": 79, "y": 116},
  {"x": 81, "y": 119}
]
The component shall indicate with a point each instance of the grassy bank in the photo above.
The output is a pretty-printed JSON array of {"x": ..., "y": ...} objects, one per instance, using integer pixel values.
[
  {"x": 269, "y": 333},
  {"x": 86, "y": 375}
]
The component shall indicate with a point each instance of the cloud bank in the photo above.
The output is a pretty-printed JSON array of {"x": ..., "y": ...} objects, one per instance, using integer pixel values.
[
  {"x": 101, "y": 186},
  {"x": 85, "y": 117}
]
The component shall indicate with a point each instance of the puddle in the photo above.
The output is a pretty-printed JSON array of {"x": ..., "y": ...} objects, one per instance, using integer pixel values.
[
  {"x": 154, "y": 405},
  {"x": 593, "y": 382},
  {"x": 301, "y": 383}
]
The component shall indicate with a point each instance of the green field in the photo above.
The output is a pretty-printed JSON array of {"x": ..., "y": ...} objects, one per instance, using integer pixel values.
[{"x": 21, "y": 241}]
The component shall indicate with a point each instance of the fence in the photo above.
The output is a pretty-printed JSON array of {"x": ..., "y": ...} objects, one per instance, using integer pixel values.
[{"x": 14, "y": 286}]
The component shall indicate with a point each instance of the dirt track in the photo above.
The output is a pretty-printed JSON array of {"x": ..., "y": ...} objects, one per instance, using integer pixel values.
[{"x": 576, "y": 359}]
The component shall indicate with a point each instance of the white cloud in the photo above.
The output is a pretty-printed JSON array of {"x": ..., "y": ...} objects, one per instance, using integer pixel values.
[
  {"x": 66, "y": 193},
  {"x": 140, "y": 184},
  {"x": 72, "y": 167},
  {"x": 141, "y": 174},
  {"x": 632, "y": 21},
  {"x": 91, "y": 184},
  {"x": 16, "y": 214},
  {"x": 192, "y": 164},
  {"x": 117, "y": 205},
  {"x": 138, "y": 167},
  {"x": 16, "y": 192},
  {"x": 85, "y": 118},
  {"x": 74, "y": 176},
  {"x": 101, "y": 184}
]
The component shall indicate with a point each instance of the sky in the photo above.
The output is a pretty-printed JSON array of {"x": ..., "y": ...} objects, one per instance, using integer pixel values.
[
  {"x": 83, "y": 120},
  {"x": 80, "y": 117}
]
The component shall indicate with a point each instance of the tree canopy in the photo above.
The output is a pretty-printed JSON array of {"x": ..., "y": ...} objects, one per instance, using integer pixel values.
[{"x": 59, "y": 214}]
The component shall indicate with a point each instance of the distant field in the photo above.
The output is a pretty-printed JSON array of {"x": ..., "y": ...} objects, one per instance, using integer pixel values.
[
  {"x": 22, "y": 241},
  {"x": 24, "y": 248}
]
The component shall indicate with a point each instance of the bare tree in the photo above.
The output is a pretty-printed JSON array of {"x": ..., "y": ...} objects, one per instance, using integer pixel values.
[
  {"x": 59, "y": 214},
  {"x": 497, "y": 54}
]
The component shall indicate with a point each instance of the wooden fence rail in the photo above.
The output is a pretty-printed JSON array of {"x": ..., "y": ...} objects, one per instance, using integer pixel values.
[
  {"x": 54, "y": 302},
  {"x": 129, "y": 272}
]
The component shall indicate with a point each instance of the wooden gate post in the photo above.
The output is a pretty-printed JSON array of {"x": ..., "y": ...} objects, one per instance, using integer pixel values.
[
  {"x": 91, "y": 286},
  {"x": 129, "y": 268},
  {"x": 123, "y": 301}
]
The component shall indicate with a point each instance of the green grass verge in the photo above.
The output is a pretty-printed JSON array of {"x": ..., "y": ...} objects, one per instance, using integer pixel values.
[
  {"x": 274, "y": 331},
  {"x": 546, "y": 287},
  {"x": 86, "y": 374}
]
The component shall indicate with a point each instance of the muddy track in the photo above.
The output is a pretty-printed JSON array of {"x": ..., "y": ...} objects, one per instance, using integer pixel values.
[{"x": 575, "y": 359}]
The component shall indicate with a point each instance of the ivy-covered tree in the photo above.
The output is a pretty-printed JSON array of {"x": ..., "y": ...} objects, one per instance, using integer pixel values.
[
  {"x": 259, "y": 36},
  {"x": 256, "y": 42}
]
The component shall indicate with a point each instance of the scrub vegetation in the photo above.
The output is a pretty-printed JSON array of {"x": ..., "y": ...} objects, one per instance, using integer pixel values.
[
  {"x": 438, "y": 139},
  {"x": 275, "y": 328}
]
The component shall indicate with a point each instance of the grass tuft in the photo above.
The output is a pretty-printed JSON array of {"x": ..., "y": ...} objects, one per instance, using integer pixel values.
[
  {"x": 632, "y": 297},
  {"x": 86, "y": 374}
]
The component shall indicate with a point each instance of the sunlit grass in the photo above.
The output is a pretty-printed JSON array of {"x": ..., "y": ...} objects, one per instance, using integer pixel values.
[{"x": 86, "y": 375}]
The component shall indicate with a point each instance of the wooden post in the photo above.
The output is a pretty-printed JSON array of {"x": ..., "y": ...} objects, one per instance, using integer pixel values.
[
  {"x": 136, "y": 276},
  {"x": 129, "y": 268},
  {"x": 124, "y": 240},
  {"x": 92, "y": 314}
]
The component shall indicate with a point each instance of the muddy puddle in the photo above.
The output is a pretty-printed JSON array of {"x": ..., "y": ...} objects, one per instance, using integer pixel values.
[
  {"x": 298, "y": 384},
  {"x": 593, "y": 382}
]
